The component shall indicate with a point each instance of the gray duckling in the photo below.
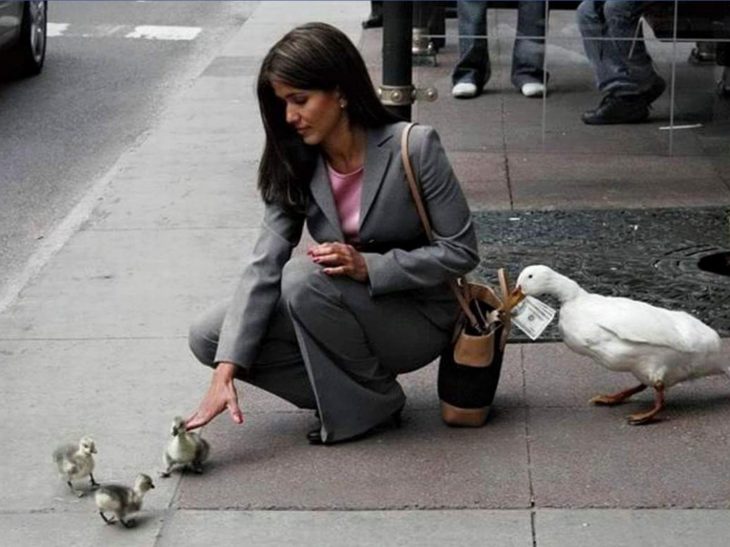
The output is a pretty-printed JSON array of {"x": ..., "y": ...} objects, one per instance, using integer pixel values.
[
  {"x": 122, "y": 500},
  {"x": 75, "y": 462},
  {"x": 185, "y": 449}
]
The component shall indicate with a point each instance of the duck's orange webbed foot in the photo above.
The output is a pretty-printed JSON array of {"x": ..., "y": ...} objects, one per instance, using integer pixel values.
[
  {"x": 650, "y": 416},
  {"x": 617, "y": 398}
]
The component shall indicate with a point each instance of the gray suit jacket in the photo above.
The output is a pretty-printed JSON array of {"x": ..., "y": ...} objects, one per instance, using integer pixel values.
[{"x": 404, "y": 260}]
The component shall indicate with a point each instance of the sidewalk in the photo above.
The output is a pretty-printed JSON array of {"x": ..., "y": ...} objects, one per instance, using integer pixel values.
[{"x": 96, "y": 344}]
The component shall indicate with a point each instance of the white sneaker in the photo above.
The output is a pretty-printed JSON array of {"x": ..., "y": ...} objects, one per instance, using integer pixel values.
[
  {"x": 533, "y": 89},
  {"x": 464, "y": 90}
]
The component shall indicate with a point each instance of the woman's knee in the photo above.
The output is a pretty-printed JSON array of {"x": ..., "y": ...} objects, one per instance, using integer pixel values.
[
  {"x": 301, "y": 279},
  {"x": 204, "y": 332}
]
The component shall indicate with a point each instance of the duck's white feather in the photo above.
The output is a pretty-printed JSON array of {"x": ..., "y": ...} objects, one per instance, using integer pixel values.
[{"x": 655, "y": 344}]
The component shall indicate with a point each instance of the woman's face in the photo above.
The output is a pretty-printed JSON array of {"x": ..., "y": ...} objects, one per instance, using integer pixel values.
[{"x": 315, "y": 114}]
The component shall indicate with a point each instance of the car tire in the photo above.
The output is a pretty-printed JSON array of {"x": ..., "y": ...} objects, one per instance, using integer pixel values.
[{"x": 26, "y": 58}]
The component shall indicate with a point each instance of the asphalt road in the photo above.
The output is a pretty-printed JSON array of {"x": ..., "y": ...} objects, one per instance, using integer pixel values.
[{"x": 104, "y": 84}]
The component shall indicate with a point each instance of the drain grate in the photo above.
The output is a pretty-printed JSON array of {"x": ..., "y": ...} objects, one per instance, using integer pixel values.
[
  {"x": 652, "y": 255},
  {"x": 717, "y": 263}
]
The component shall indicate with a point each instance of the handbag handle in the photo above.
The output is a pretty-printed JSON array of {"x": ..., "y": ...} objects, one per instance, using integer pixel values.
[
  {"x": 507, "y": 303},
  {"x": 423, "y": 214}
]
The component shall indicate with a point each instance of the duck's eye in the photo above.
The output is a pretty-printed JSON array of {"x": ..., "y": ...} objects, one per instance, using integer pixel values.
[{"x": 529, "y": 276}]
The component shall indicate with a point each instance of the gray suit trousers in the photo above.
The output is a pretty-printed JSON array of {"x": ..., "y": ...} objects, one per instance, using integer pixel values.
[{"x": 332, "y": 346}]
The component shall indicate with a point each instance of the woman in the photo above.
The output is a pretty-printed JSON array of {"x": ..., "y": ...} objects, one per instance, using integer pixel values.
[{"x": 332, "y": 330}]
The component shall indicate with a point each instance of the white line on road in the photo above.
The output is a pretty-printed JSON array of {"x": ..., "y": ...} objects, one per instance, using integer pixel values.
[
  {"x": 151, "y": 32},
  {"x": 142, "y": 32},
  {"x": 56, "y": 29}
]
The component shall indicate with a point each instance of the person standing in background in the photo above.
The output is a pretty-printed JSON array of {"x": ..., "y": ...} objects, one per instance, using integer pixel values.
[
  {"x": 473, "y": 70},
  {"x": 614, "y": 43}
]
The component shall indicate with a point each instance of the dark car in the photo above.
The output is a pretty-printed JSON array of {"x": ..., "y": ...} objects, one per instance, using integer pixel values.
[{"x": 22, "y": 37}]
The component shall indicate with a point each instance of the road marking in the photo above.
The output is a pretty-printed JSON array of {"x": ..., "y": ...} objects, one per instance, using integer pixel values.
[
  {"x": 152, "y": 32},
  {"x": 56, "y": 29},
  {"x": 142, "y": 32}
]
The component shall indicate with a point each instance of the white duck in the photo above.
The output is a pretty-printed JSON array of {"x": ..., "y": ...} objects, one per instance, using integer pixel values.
[
  {"x": 658, "y": 346},
  {"x": 76, "y": 461},
  {"x": 122, "y": 500},
  {"x": 185, "y": 449}
]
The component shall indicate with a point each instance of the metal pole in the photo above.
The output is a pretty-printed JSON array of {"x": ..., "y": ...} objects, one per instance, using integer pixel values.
[{"x": 397, "y": 61}]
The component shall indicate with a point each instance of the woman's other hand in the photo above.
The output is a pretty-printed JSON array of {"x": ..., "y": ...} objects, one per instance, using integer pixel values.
[
  {"x": 340, "y": 259},
  {"x": 221, "y": 395}
]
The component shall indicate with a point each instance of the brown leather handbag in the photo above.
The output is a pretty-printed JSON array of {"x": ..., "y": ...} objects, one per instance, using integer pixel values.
[{"x": 469, "y": 368}]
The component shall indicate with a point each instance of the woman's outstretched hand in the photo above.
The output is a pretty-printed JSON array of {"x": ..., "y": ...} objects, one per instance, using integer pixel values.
[
  {"x": 340, "y": 259},
  {"x": 221, "y": 395}
]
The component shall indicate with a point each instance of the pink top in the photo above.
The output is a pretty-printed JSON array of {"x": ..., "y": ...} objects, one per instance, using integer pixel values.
[{"x": 347, "y": 189}]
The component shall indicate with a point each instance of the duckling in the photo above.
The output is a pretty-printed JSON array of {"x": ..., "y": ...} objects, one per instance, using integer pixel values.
[
  {"x": 186, "y": 448},
  {"x": 122, "y": 500},
  {"x": 659, "y": 347},
  {"x": 74, "y": 462}
]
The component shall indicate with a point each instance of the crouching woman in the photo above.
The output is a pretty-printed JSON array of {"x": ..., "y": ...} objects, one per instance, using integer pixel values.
[{"x": 332, "y": 330}]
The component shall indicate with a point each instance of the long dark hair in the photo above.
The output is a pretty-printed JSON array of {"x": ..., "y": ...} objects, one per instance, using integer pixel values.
[{"x": 313, "y": 56}]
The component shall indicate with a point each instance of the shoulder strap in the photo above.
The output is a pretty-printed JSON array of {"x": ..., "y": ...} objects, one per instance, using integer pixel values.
[
  {"x": 413, "y": 183},
  {"x": 423, "y": 214}
]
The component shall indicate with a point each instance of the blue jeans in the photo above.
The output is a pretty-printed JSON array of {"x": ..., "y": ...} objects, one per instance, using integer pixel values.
[
  {"x": 622, "y": 66},
  {"x": 528, "y": 53}
]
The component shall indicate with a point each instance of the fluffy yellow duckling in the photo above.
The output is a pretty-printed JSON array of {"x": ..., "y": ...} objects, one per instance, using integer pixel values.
[
  {"x": 122, "y": 500},
  {"x": 186, "y": 449},
  {"x": 75, "y": 462}
]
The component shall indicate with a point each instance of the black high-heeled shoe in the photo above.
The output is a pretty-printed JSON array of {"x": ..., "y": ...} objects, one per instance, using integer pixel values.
[
  {"x": 393, "y": 421},
  {"x": 315, "y": 436}
]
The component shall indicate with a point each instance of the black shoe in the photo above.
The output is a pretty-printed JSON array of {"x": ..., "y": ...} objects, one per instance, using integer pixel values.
[
  {"x": 616, "y": 109},
  {"x": 373, "y": 21},
  {"x": 314, "y": 436},
  {"x": 655, "y": 90},
  {"x": 394, "y": 421},
  {"x": 703, "y": 54}
]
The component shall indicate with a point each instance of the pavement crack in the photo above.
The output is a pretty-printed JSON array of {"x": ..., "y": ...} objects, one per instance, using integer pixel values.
[
  {"x": 528, "y": 450},
  {"x": 505, "y": 157}
]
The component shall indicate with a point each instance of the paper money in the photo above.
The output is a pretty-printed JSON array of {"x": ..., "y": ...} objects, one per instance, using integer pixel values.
[{"x": 532, "y": 316}]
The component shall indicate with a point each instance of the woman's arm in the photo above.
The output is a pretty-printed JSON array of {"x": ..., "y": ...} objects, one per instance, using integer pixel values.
[
  {"x": 454, "y": 251},
  {"x": 247, "y": 319}
]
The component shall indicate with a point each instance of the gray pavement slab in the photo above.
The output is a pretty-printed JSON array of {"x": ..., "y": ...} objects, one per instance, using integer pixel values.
[
  {"x": 54, "y": 529},
  {"x": 623, "y": 528},
  {"x": 422, "y": 465},
  {"x": 124, "y": 393},
  {"x": 129, "y": 284},
  {"x": 483, "y": 177},
  {"x": 356, "y": 528},
  {"x": 608, "y": 168},
  {"x": 549, "y": 193},
  {"x": 590, "y": 457},
  {"x": 183, "y": 201}
]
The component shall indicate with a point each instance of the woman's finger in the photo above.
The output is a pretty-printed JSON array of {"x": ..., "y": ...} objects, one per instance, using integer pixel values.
[
  {"x": 329, "y": 260},
  {"x": 235, "y": 412},
  {"x": 323, "y": 249},
  {"x": 197, "y": 421},
  {"x": 338, "y": 270}
]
